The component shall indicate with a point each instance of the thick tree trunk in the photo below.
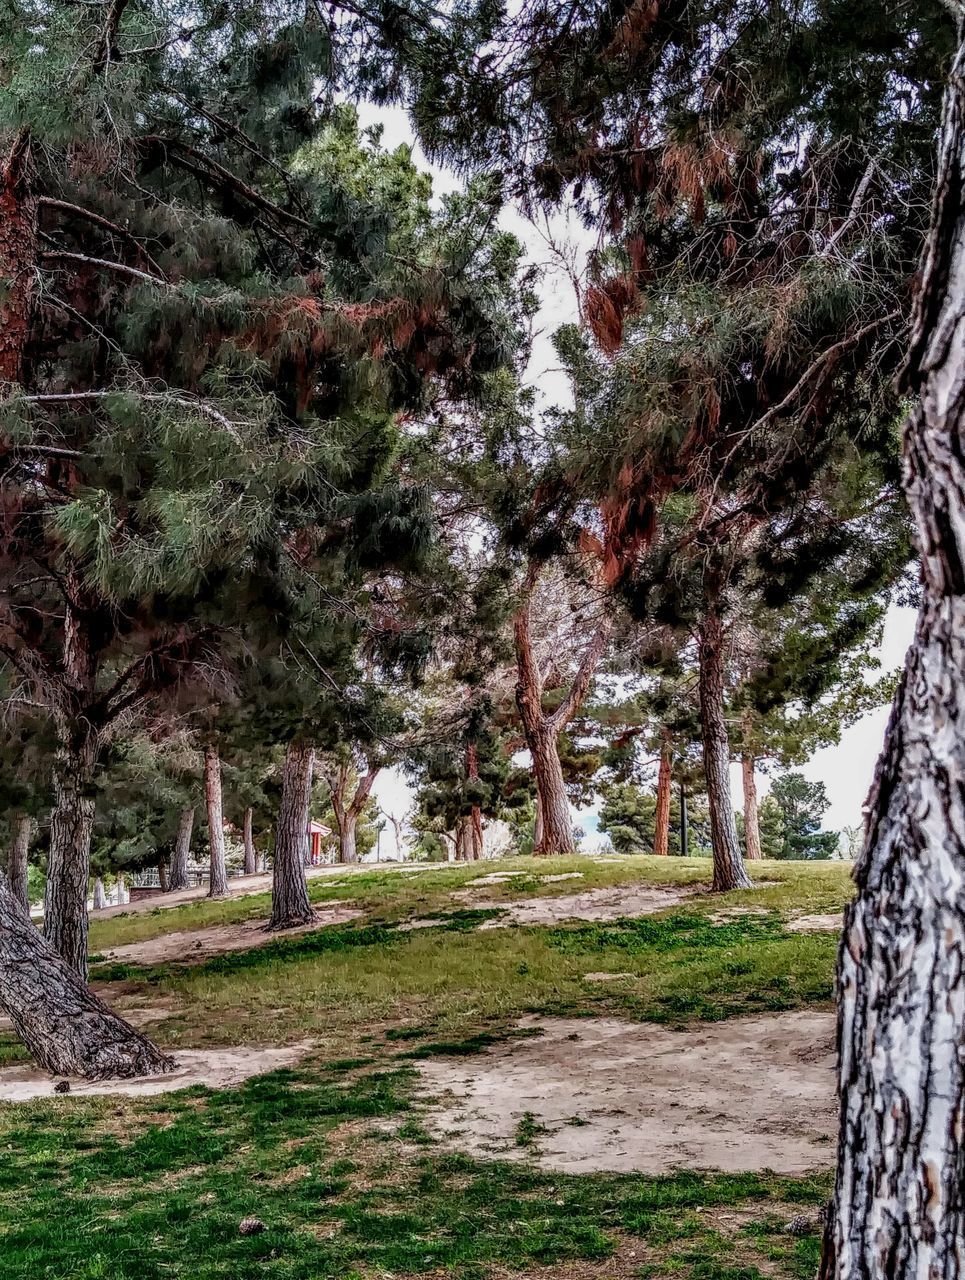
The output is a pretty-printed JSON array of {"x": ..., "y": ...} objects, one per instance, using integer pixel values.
[
  {"x": 66, "y": 1028},
  {"x": 162, "y": 875},
  {"x": 218, "y": 883},
  {"x": 178, "y": 879},
  {"x": 752, "y": 826},
  {"x": 729, "y": 870},
  {"x": 68, "y": 859},
  {"x": 899, "y": 1204},
  {"x": 100, "y": 897},
  {"x": 346, "y": 838},
  {"x": 538, "y": 822},
  {"x": 289, "y": 890},
  {"x": 251, "y": 853},
  {"x": 17, "y": 865},
  {"x": 557, "y": 829},
  {"x": 661, "y": 837}
]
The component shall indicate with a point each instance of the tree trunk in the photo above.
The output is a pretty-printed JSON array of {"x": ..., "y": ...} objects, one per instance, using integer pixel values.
[
  {"x": 346, "y": 838},
  {"x": 684, "y": 824},
  {"x": 899, "y": 1204},
  {"x": 251, "y": 853},
  {"x": 100, "y": 897},
  {"x": 538, "y": 822},
  {"x": 66, "y": 1028},
  {"x": 752, "y": 826},
  {"x": 218, "y": 883},
  {"x": 18, "y": 259},
  {"x": 729, "y": 870},
  {"x": 122, "y": 894},
  {"x": 17, "y": 866},
  {"x": 557, "y": 832},
  {"x": 289, "y": 890},
  {"x": 661, "y": 837},
  {"x": 178, "y": 879},
  {"x": 68, "y": 859},
  {"x": 162, "y": 875}
]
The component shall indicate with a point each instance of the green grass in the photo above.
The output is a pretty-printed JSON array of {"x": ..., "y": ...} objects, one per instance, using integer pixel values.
[
  {"x": 113, "y": 1190},
  {"x": 334, "y": 1158}
]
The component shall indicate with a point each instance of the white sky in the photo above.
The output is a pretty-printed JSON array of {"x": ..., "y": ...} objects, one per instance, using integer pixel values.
[{"x": 846, "y": 769}]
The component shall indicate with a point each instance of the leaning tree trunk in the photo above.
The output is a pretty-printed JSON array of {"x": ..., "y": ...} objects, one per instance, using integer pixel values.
[
  {"x": 218, "y": 882},
  {"x": 289, "y": 891},
  {"x": 68, "y": 859},
  {"x": 63, "y": 1024},
  {"x": 100, "y": 897},
  {"x": 899, "y": 1203},
  {"x": 729, "y": 870},
  {"x": 251, "y": 853},
  {"x": 661, "y": 837},
  {"x": 178, "y": 877},
  {"x": 17, "y": 865}
]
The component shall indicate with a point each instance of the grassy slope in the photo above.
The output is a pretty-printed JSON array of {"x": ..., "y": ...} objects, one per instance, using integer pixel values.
[{"x": 332, "y": 1157}]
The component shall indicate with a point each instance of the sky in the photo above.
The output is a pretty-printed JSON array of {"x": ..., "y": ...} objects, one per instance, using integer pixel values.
[{"x": 845, "y": 769}]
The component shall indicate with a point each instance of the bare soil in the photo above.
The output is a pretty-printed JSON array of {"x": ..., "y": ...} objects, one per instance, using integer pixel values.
[
  {"x": 192, "y": 946},
  {"x": 832, "y": 922},
  {"x": 217, "y": 1068},
  {"x": 612, "y": 903},
  {"x": 737, "y": 1096}
]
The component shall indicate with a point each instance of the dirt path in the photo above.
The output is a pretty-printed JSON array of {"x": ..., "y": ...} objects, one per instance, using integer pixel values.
[
  {"x": 612, "y": 903},
  {"x": 216, "y": 1068},
  {"x": 602, "y": 1094},
  {"x": 192, "y": 946}
]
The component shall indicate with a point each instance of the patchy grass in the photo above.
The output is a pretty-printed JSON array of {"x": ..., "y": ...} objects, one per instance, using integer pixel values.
[{"x": 117, "y": 1190}]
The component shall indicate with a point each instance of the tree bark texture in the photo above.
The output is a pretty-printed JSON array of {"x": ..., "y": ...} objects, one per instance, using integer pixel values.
[
  {"x": 554, "y": 830},
  {"x": 729, "y": 872},
  {"x": 251, "y": 853},
  {"x": 66, "y": 1028},
  {"x": 18, "y": 259},
  {"x": 68, "y": 859},
  {"x": 218, "y": 882},
  {"x": 290, "y": 906},
  {"x": 899, "y": 1203},
  {"x": 17, "y": 864},
  {"x": 752, "y": 826},
  {"x": 180, "y": 854},
  {"x": 661, "y": 837}
]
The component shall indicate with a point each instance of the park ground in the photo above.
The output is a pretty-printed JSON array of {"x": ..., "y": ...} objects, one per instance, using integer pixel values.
[{"x": 564, "y": 1070}]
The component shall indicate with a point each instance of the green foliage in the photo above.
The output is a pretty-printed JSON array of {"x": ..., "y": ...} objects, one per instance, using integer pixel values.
[
  {"x": 801, "y": 805},
  {"x": 628, "y": 817}
]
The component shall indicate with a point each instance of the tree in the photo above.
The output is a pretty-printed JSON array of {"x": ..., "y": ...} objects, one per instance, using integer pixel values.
[
  {"x": 629, "y": 817},
  {"x": 290, "y": 906},
  {"x": 899, "y": 1201},
  {"x": 801, "y": 805}
]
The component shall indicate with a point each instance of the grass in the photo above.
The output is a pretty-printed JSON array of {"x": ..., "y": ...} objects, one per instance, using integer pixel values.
[
  {"x": 334, "y": 1158},
  {"x": 121, "y": 1190}
]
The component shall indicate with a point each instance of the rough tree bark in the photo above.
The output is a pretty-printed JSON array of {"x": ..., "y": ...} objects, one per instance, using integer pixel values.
[
  {"x": 729, "y": 872},
  {"x": 18, "y": 258},
  {"x": 218, "y": 882},
  {"x": 661, "y": 837},
  {"x": 290, "y": 906},
  {"x": 554, "y": 830},
  {"x": 68, "y": 859},
  {"x": 178, "y": 878},
  {"x": 17, "y": 868},
  {"x": 899, "y": 1203},
  {"x": 684, "y": 824},
  {"x": 251, "y": 853},
  {"x": 100, "y": 896},
  {"x": 475, "y": 830},
  {"x": 66, "y": 1028}
]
